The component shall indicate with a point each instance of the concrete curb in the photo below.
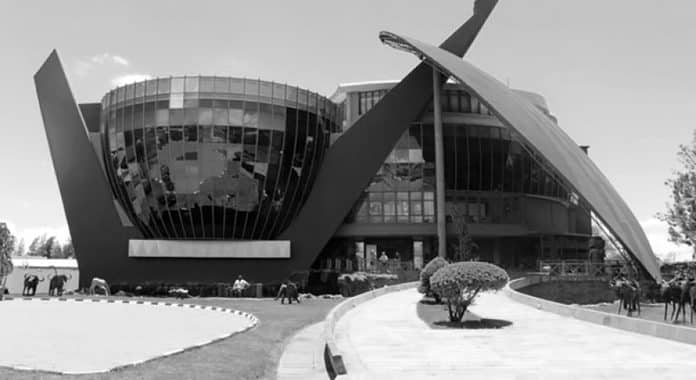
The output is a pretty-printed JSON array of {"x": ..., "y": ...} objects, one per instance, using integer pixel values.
[
  {"x": 640, "y": 326},
  {"x": 251, "y": 319},
  {"x": 332, "y": 357}
]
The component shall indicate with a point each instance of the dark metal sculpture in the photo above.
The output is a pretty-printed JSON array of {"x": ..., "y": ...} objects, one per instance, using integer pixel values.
[{"x": 540, "y": 133}]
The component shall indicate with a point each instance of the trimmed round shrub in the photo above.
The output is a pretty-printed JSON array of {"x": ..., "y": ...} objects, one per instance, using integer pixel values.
[
  {"x": 430, "y": 268},
  {"x": 460, "y": 283}
]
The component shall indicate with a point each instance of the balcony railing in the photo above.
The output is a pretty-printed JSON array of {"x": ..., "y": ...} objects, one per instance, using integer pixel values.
[{"x": 579, "y": 268}]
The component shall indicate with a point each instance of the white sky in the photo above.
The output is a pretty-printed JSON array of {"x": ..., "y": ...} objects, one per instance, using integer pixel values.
[{"x": 619, "y": 74}]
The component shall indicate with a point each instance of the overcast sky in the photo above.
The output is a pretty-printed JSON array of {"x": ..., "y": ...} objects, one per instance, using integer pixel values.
[{"x": 619, "y": 74}]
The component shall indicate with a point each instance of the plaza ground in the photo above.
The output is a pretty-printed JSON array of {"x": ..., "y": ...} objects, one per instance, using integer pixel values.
[
  {"x": 250, "y": 355},
  {"x": 384, "y": 338}
]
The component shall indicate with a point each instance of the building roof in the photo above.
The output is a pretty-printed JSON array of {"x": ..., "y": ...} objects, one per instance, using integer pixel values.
[{"x": 559, "y": 150}]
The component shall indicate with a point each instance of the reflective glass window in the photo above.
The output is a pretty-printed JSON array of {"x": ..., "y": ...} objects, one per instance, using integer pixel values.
[
  {"x": 191, "y": 84},
  {"x": 278, "y": 91},
  {"x": 220, "y": 116},
  {"x": 176, "y": 101},
  {"x": 236, "y": 85},
  {"x": 176, "y": 133},
  {"x": 162, "y": 117},
  {"x": 235, "y": 135},
  {"x": 207, "y": 84},
  {"x": 177, "y": 85},
  {"x": 251, "y": 87},
  {"x": 265, "y": 116},
  {"x": 130, "y": 91},
  {"x": 278, "y": 123},
  {"x": 222, "y": 84},
  {"x": 266, "y": 89},
  {"x": 151, "y": 87},
  {"x": 220, "y": 134},
  {"x": 291, "y": 94},
  {"x": 190, "y": 103},
  {"x": 191, "y": 132},
  {"x": 139, "y": 90},
  {"x": 163, "y": 85},
  {"x": 251, "y": 114},
  {"x": 205, "y": 116}
]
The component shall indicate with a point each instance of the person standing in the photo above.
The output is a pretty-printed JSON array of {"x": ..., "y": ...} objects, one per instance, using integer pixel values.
[{"x": 384, "y": 259}]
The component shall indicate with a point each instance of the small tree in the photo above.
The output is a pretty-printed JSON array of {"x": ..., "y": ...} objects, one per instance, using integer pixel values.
[
  {"x": 466, "y": 246},
  {"x": 461, "y": 282},
  {"x": 35, "y": 248},
  {"x": 427, "y": 272},
  {"x": 7, "y": 242},
  {"x": 68, "y": 250},
  {"x": 681, "y": 215},
  {"x": 20, "y": 249},
  {"x": 48, "y": 249}
]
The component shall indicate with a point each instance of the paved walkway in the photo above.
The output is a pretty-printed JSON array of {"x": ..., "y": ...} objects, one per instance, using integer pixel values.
[
  {"x": 87, "y": 337},
  {"x": 303, "y": 358},
  {"x": 384, "y": 339}
]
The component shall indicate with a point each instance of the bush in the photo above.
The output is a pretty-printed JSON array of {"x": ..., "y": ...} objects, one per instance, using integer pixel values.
[
  {"x": 427, "y": 272},
  {"x": 352, "y": 284},
  {"x": 461, "y": 282}
]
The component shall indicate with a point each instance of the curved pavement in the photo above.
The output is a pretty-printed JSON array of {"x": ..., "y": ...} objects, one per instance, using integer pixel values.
[{"x": 384, "y": 339}]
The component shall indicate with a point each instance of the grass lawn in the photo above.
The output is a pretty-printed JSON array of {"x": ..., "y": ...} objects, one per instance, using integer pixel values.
[
  {"x": 651, "y": 312},
  {"x": 250, "y": 355}
]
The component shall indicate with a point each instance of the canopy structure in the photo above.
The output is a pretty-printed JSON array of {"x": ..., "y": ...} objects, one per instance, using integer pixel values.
[{"x": 540, "y": 132}]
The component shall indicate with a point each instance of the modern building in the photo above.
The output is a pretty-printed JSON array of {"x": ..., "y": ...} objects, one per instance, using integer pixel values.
[
  {"x": 516, "y": 208},
  {"x": 197, "y": 179}
]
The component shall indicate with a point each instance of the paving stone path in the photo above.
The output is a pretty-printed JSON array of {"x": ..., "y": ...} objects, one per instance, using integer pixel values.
[{"x": 384, "y": 339}]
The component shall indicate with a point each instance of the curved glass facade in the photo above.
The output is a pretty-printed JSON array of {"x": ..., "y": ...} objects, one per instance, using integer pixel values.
[
  {"x": 487, "y": 170},
  {"x": 212, "y": 157}
]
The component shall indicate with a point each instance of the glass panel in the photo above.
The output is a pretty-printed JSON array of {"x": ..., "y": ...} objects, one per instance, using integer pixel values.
[
  {"x": 251, "y": 87},
  {"x": 163, "y": 85},
  {"x": 236, "y": 113},
  {"x": 278, "y": 91},
  {"x": 177, "y": 85},
  {"x": 220, "y": 116},
  {"x": 205, "y": 116},
  {"x": 235, "y": 135},
  {"x": 236, "y": 85},
  {"x": 176, "y": 101},
  {"x": 151, "y": 87},
  {"x": 222, "y": 84},
  {"x": 130, "y": 91},
  {"x": 191, "y": 84},
  {"x": 139, "y": 90},
  {"x": 266, "y": 88},
  {"x": 251, "y": 114},
  {"x": 191, "y": 133},
  {"x": 207, "y": 84}
]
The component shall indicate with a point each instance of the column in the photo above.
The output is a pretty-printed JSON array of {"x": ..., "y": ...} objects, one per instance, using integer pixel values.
[{"x": 439, "y": 168}]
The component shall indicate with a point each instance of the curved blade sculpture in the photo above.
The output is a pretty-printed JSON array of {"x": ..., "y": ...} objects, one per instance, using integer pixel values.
[
  {"x": 551, "y": 141},
  {"x": 355, "y": 157}
]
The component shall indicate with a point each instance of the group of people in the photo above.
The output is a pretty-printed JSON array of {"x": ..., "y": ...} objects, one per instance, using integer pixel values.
[{"x": 288, "y": 290}]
